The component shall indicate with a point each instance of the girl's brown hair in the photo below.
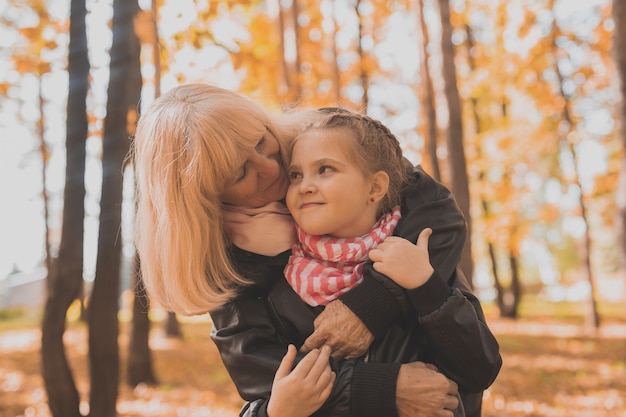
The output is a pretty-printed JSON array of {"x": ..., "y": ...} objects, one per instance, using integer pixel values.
[{"x": 377, "y": 149}]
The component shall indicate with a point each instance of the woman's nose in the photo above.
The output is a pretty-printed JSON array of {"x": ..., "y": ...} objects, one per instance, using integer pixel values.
[{"x": 265, "y": 166}]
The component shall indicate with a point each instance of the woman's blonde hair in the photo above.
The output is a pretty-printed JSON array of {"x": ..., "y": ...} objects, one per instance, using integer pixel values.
[{"x": 187, "y": 145}]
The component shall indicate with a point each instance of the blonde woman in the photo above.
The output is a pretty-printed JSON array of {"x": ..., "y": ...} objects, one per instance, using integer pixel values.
[{"x": 214, "y": 236}]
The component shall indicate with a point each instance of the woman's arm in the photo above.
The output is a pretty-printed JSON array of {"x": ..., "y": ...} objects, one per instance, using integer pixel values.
[
  {"x": 460, "y": 342},
  {"x": 421, "y": 392},
  {"x": 450, "y": 320},
  {"x": 251, "y": 343},
  {"x": 378, "y": 301},
  {"x": 252, "y": 348},
  {"x": 427, "y": 203}
]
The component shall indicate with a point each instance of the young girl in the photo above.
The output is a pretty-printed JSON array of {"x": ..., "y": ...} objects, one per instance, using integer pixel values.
[{"x": 346, "y": 176}]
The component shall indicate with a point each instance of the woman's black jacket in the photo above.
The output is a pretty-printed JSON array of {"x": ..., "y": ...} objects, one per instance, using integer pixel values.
[{"x": 440, "y": 322}]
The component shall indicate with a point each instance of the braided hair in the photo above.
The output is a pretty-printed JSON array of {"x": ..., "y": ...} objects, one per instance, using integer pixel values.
[{"x": 377, "y": 149}]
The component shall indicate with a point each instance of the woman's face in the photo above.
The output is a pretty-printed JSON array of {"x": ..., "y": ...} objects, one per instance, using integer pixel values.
[{"x": 261, "y": 178}]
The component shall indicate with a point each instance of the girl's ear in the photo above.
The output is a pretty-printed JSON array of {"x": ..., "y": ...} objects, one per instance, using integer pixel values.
[{"x": 379, "y": 186}]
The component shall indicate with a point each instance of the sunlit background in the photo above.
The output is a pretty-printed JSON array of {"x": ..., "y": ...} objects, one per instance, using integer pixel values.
[
  {"x": 519, "y": 65},
  {"x": 22, "y": 222}
]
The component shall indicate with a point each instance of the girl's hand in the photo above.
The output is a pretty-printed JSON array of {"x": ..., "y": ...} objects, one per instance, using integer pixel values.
[
  {"x": 408, "y": 265},
  {"x": 302, "y": 391}
]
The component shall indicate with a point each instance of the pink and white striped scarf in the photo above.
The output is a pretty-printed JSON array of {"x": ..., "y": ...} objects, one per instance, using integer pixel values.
[{"x": 321, "y": 268}]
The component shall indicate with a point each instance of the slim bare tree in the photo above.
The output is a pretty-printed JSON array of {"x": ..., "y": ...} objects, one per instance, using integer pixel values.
[
  {"x": 139, "y": 363},
  {"x": 123, "y": 97},
  {"x": 619, "y": 51},
  {"x": 456, "y": 152},
  {"x": 363, "y": 74},
  {"x": 65, "y": 276},
  {"x": 428, "y": 97},
  {"x": 592, "y": 316}
]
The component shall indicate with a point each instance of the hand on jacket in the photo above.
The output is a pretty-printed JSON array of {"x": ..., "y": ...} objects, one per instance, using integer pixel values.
[
  {"x": 424, "y": 392},
  {"x": 408, "y": 265},
  {"x": 340, "y": 329},
  {"x": 303, "y": 390}
]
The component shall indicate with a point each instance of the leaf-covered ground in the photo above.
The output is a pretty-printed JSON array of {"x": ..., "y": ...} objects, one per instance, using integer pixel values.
[{"x": 550, "y": 369}]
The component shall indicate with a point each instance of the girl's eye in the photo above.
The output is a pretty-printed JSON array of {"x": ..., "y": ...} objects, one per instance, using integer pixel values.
[
  {"x": 325, "y": 169},
  {"x": 294, "y": 176}
]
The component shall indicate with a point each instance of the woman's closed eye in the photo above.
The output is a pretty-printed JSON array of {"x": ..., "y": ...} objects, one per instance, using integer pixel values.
[
  {"x": 242, "y": 173},
  {"x": 244, "y": 168},
  {"x": 260, "y": 143}
]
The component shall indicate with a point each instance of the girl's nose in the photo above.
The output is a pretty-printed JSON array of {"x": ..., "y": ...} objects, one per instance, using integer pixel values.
[{"x": 307, "y": 185}]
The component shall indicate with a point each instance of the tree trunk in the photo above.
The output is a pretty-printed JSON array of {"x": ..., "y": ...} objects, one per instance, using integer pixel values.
[
  {"x": 335, "y": 53},
  {"x": 139, "y": 354},
  {"x": 619, "y": 51},
  {"x": 484, "y": 204},
  {"x": 428, "y": 101},
  {"x": 172, "y": 326},
  {"x": 497, "y": 283},
  {"x": 363, "y": 75},
  {"x": 123, "y": 97},
  {"x": 516, "y": 288},
  {"x": 65, "y": 277},
  {"x": 507, "y": 299},
  {"x": 456, "y": 152},
  {"x": 43, "y": 150},
  {"x": 156, "y": 49},
  {"x": 284, "y": 85},
  {"x": 140, "y": 369},
  {"x": 296, "y": 79},
  {"x": 592, "y": 317}
]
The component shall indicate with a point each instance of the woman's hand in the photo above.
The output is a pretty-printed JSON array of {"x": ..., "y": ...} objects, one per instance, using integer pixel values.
[
  {"x": 340, "y": 329},
  {"x": 422, "y": 391},
  {"x": 408, "y": 265},
  {"x": 302, "y": 391}
]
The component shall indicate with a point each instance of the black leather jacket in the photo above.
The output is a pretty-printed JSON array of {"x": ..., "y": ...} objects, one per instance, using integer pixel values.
[{"x": 440, "y": 322}]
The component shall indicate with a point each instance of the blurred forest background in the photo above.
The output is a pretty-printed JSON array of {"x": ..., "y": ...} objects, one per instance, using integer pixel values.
[{"x": 515, "y": 105}]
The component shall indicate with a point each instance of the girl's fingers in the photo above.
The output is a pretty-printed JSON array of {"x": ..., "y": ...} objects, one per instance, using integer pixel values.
[
  {"x": 286, "y": 363},
  {"x": 303, "y": 368},
  {"x": 328, "y": 385},
  {"x": 327, "y": 377},
  {"x": 313, "y": 365},
  {"x": 422, "y": 239},
  {"x": 321, "y": 363}
]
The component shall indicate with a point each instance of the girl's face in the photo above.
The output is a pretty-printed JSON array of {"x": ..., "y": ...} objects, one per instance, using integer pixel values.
[
  {"x": 328, "y": 193},
  {"x": 261, "y": 178}
]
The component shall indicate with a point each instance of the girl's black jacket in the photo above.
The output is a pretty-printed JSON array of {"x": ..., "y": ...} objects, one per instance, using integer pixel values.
[{"x": 440, "y": 322}]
